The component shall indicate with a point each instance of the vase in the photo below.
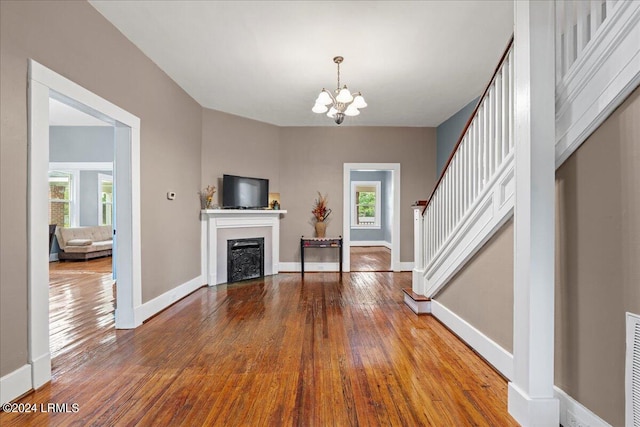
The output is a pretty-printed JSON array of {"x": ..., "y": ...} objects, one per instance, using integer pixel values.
[{"x": 321, "y": 228}]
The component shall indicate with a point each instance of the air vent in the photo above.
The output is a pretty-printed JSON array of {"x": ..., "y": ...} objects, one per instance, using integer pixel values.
[{"x": 632, "y": 375}]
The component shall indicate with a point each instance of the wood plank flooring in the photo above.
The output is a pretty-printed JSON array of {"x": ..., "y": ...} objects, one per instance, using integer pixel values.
[
  {"x": 370, "y": 258},
  {"x": 277, "y": 351},
  {"x": 81, "y": 308}
]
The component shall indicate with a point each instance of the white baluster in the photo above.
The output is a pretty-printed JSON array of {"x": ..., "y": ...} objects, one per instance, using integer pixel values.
[
  {"x": 582, "y": 23},
  {"x": 596, "y": 16},
  {"x": 511, "y": 103},
  {"x": 498, "y": 112},
  {"x": 560, "y": 35},
  {"x": 490, "y": 139},
  {"x": 569, "y": 35}
]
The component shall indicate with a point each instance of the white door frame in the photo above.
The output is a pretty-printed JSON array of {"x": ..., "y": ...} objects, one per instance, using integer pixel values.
[
  {"x": 394, "y": 168},
  {"x": 45, "y": 83}
]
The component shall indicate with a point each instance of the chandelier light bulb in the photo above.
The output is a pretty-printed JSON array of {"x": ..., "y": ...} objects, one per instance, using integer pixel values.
[{"x": 332, "y": 112}]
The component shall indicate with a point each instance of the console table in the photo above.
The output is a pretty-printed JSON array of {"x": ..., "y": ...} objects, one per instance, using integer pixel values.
[{"x": 319, "y": 242}]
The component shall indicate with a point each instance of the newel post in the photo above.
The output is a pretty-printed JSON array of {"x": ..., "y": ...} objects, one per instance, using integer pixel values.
[
  {"x": 417, "y": 283},
  {"x": 531, "y": 395}
]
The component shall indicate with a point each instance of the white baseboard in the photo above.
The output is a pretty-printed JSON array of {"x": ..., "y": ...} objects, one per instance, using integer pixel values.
[
  {"x": 41, "y": 370},
  {"x": 572, "y": 413},
  {"x": 530, "y": 411},
  {"x": 309, "y": 267},
  {"x": 497, "y": 356},
  {"x": 405, "y": 266},
  {"x": 15, "y": 384},
  {"x": 159, "y": 303},
  {"x": 370, "y": 243}
]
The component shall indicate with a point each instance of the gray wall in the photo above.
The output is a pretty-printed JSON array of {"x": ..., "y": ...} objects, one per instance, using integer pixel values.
[
  {"x": 482, "y": 292},
  {"x": 597, "y": 268},
  {"x": 300, "y": 161},
  {"x": 312, "y": 160},
  {"x": 449, "y": 132},
  {"x": 81, "y": 143},
  {"x": 382, "y": 234},
  {"x": 73, "y": 39},
  {"x": 238, "y": 146}
]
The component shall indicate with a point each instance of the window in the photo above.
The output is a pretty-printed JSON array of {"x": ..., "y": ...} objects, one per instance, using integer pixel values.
[
  {"x": 61, "y": 200},
  {"x": 105, "y": 199},
  {"x": 365, "y": 199}
]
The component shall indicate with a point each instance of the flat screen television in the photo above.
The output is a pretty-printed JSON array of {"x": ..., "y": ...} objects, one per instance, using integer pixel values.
[{"x": 242, "y": 192}]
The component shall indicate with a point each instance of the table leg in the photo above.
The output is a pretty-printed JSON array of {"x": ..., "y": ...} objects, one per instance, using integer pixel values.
[
  {"x": 302, "y": 257},
  {"x": 340, "y": 258}
]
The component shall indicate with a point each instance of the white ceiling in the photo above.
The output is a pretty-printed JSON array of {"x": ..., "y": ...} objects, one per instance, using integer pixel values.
[{"x": 415, "y": 62}]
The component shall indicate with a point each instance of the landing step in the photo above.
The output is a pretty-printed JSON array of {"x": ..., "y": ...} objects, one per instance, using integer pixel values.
[{"x": 419, "y": 304}]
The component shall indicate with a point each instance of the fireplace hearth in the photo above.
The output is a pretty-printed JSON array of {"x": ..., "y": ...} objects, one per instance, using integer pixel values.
[{"x": 245, "y": 259}]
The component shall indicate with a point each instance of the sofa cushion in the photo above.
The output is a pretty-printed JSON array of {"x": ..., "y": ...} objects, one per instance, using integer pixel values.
[
  {"x": 79, "y": 242},
  {"x": 95, "y": 234},
  {"x": 95, "y": 246}
]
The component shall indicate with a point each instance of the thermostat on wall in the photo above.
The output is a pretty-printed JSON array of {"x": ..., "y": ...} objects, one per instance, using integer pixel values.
[{"x": 171, "y": 195}]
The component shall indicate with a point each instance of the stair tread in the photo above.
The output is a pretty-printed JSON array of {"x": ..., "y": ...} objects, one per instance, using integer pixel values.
[{"x": 414, "y": 296}]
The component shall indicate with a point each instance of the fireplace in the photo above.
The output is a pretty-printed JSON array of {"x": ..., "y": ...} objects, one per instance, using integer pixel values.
[{"x": 245, "y": 259}]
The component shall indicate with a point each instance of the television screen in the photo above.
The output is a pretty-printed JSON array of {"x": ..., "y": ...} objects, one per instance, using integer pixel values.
[{"x": 241, "y": 192}]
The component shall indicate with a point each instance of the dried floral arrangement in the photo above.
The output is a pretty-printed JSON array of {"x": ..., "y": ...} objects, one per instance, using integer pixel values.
[
  {"x": 320, "y": 210},
  {"x": 206, "y": 196}
]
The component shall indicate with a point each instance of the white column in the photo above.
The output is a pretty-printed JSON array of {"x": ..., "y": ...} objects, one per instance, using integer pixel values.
[
  {"x": 531, "y": 400},
  {"x": 417, "y": 283}
]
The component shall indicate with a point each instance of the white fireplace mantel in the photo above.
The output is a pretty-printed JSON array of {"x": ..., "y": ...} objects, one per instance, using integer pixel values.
[{"x": 219, "y": 225}]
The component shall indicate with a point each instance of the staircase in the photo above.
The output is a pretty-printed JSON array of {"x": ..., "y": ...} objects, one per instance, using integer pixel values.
[
  {"x": 596, "y": 69},
  {"x": 493, "y": 174}
]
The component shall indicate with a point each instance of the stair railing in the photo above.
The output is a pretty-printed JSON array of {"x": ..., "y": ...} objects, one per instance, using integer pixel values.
[{"x": 483, "y": 151}]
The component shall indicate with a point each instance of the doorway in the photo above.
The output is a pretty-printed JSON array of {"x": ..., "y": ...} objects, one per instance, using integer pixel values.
[
  {"x": 371, "y": 220},
  {"x": 44, "y": 84},
  {"x": 81, "y": 292}
]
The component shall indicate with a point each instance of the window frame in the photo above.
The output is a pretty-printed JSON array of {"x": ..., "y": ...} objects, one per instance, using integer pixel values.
[
  {"x": 74, "y": 194},
  {"x": 354, "y": 204},
  {"x": 102, "y": 178}
]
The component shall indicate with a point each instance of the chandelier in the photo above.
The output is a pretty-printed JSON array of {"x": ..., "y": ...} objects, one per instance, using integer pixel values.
[{"x": 342, "y": 104}]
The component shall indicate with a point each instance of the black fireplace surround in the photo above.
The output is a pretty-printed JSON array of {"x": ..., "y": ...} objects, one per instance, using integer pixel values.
[{"x": 245, "y": 259}]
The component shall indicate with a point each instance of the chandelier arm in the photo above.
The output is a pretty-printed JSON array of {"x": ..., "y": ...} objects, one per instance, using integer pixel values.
[{"x": 333, "y": 98}]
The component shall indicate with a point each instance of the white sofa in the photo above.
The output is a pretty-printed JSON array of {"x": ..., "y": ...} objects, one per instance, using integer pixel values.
[{"x": 84, "y": 242}]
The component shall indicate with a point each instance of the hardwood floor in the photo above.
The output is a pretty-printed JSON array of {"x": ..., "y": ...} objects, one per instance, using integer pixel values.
[
  {"x": 81, "y": 308},
  {"x": 277, "y": 351},
  {"x": 370, "y": 258}
]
